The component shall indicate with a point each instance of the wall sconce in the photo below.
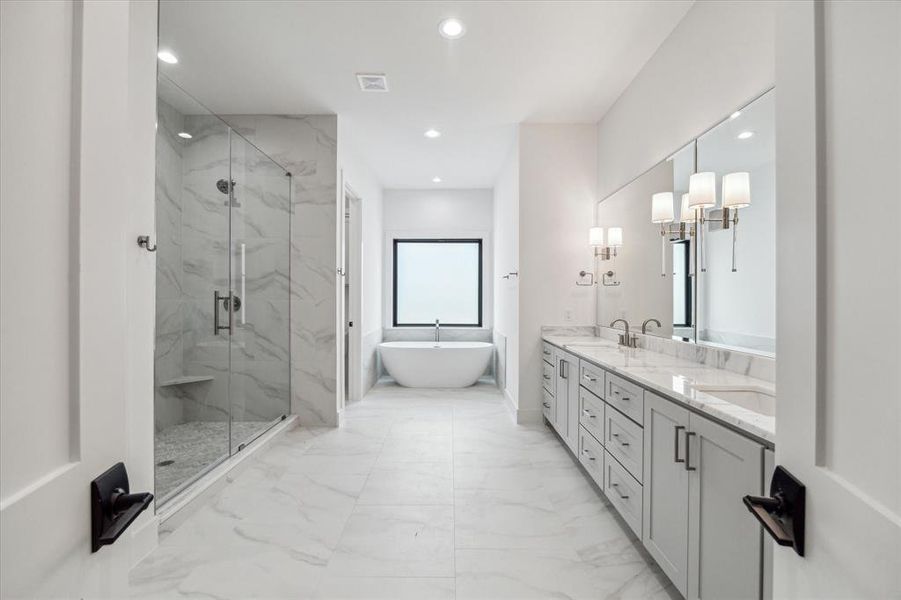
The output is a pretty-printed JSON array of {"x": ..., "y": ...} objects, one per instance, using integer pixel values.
[
  {"x": 596, "y": 240},
  {"x": 614, "y": 241},
  {"x": 736, "y": 195},
  {"x": 662, "y": 214},
  {"x": 701, "y": 196}
]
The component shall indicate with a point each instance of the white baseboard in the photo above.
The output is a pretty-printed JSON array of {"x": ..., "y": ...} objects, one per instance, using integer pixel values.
[
  {"x": 522, "y": 416},
  {"x": 529, "y": 416}
]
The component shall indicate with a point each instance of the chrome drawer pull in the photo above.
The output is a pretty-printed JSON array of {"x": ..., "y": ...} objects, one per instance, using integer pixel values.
[
  {"x": 588, "y": 414},
  {"x": 621, "y": 443},
  {"x": 546, "y": 376},
  {"x": 589, "y": 378},
  {"x": 619, "y": 493},
  {"x": 546, "y": 352},
  {"x": 546, "y": 405},
  {"x": 590, "y": 457}
]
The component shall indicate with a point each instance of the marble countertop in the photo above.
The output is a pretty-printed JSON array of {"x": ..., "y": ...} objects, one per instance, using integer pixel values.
[{"x": 674, "y": 378}]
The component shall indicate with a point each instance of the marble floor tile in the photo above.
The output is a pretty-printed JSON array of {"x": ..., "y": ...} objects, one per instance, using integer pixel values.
[
  {"x": 407, "y": 483},
  {"x": 419, "y": 494},
  {"x": 397, "y": 541},
  {"x": 386, "y": 588}
]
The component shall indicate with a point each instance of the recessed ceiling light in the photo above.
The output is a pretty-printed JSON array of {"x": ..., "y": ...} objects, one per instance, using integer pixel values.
[
  {"x": 185, "y": 135},
  {"x": 452, "y": 29},
  {"x": 745, "y": 135},
  {"x": 432, "y": 133},
  {"x": 167, "y": 57},
  {"x": 735, "y": 115},
  {"x": 436, "y": 180}
]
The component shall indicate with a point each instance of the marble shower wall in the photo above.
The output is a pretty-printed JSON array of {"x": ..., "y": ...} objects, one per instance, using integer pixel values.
[{"x": 307, "y": 147}]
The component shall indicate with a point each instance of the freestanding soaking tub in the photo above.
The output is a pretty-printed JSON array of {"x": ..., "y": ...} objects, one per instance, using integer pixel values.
[{"x": 436, "y": 364}]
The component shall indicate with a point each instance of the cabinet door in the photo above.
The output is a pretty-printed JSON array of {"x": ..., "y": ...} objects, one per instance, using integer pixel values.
[
  {"x": 665, "y": 511},
  {"x": 560, "y": 422},
  {"x": 724, "y": 545},
  {"x": 567, "y": 419}
]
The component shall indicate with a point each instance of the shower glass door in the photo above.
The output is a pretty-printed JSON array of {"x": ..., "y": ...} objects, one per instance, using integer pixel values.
[
  {"x": 260, "y": 211},
  {"x": 222, "y": 365}
]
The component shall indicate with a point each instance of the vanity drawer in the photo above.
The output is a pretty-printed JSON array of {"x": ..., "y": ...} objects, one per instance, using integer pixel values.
[
  {"x": 626, "y": 397},
  {"x": 591, "y": 455},
  {"x": 623, "y": 492},
  {"x": 591, "y": 413},
  {"x": 549, "y": 377},
  {"x": 591, "y": 378},
  {"x": 547, "y": 352},
  {"x": 625, "y": 441},
  {"x": 548, "y": 406}
]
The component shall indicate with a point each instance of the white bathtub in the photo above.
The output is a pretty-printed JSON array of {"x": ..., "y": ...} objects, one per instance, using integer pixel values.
[{"x": 436, "y": 365}]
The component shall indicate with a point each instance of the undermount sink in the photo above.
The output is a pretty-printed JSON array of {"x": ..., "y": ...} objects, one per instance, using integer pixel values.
[{"x": 756, "y": 399}]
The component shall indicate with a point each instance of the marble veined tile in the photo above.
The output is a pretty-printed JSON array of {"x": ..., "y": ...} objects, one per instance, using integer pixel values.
[
  {"x": 386, "y": 588},
  {"x": 548, "y": 573},
  {"x": 397, "y": 541},
  {"x": 410, "y": 483},
  {"x": 415, "y": 496}
]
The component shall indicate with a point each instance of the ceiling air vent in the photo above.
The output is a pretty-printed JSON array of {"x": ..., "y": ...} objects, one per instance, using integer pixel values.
[{"x": 372, "y": 82}]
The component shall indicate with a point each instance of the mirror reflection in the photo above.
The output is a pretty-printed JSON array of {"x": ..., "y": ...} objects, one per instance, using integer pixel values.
[{"x": 690, "y": 244}]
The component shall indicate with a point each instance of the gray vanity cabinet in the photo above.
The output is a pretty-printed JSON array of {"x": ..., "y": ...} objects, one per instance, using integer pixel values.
[
  {"x": 566, "y": 421},
  {"x": 724, "y": 545},
  {"x": 665, "y": 520},
  {"x": 695, "y": 525}
]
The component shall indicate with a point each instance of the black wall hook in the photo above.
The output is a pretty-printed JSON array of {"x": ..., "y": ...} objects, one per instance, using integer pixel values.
[{"x": 113, "y": 508}]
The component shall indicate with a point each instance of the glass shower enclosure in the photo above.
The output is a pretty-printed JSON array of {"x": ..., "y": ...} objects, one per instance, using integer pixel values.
[{"x": 222, "y": 357}]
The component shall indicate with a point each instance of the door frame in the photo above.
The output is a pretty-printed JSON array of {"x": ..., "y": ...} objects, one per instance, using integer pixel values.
[{"x": 353, "y": 242}]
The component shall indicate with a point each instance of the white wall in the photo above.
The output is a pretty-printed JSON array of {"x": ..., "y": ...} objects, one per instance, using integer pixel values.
[
  {"x": 439, "y": 213},
  {"x": 719, "y": 57},
  {"x": 557, "y": 195},
  {"x": 506, "y": 260}
]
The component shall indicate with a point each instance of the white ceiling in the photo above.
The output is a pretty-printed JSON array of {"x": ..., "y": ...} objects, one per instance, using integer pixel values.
[{"x": 518, "y": 62}]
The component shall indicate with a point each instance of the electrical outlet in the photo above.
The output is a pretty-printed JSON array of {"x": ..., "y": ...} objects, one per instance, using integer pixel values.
[{"x": 568, "y": 315}]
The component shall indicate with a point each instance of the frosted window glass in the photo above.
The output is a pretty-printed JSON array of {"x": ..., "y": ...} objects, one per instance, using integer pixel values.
[{"x": 437, "y": 280}]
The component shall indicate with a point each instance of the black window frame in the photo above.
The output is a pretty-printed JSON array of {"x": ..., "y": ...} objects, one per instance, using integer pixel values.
[
  {"x": 397, "y": 241},
  {"x": 688, "y": 281}
]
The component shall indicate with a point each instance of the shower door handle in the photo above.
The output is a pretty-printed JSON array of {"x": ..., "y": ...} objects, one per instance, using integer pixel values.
[{"x": 217, "y": 299}]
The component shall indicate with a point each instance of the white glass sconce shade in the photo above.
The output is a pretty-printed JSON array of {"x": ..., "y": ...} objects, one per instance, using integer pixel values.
[
  {"x": 736, "y": 190},
  {"x": 615, "y": 237},
  {"x": 686, "y": 214},
  {"x": 662, "y": 207},
  {"x": 596, "y": 236},
  {"x": 702, "y": 190}
]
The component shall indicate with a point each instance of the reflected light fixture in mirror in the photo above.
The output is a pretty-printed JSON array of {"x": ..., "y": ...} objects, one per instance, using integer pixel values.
[
  {"x": 662, "y": 213},
  {"x": 736, "y": 195},
  {"x": 701, "y": 196},
  {"x": 596, "y": 236}
]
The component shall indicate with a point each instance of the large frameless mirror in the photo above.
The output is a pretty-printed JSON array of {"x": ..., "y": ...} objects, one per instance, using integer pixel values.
[{"x": 690, "y": 244}]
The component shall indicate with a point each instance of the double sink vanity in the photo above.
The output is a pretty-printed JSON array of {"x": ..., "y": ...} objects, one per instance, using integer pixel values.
[{"x": 674, "y": 445}]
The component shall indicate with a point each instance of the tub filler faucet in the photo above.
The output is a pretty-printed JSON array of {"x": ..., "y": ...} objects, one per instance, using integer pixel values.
[{"x": 437, "y": 331}]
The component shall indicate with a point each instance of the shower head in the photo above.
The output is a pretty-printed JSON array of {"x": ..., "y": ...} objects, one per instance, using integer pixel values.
[{"x": 223, "y": 186}]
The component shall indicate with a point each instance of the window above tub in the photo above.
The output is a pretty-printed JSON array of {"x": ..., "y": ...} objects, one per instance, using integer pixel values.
[{"x": 437, "y": 279}]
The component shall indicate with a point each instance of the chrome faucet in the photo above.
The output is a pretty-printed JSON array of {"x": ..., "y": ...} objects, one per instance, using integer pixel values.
[
  {"x": 437, "y": 331},
  {"x": 625, "y": 339},
  {"x": 644, "y": 326}
]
